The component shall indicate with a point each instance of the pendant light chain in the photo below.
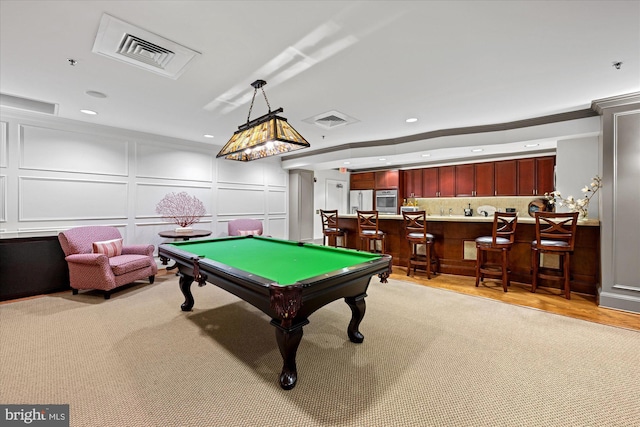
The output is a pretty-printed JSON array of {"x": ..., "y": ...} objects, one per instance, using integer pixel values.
[{"x": 257, "y": 85}]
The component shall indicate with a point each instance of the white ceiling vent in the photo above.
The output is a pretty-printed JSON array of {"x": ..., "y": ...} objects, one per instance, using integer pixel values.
[
  {"x": 135, "y": 46},
  {"x": 331, "y": 120}
]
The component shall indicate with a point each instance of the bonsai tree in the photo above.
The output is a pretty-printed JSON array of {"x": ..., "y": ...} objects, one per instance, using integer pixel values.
[{"x": 181, "y": 208}]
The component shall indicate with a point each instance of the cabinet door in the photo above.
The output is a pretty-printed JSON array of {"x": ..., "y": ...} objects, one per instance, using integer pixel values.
[
  {"x": 387, "y": 179},
  {"x": 362, "y": 181},
  {"x": 506, "y": 178},
  {"x": 446, "y": 181},
  {"x": 545, "y": 175},
  {"x": 485, "y": 179},
  {"x": 465, "y": 178},
  {"x": 430, "y": 182},
  {"x": 412, "y": 183},
  {"x": 526, "y": 177}
]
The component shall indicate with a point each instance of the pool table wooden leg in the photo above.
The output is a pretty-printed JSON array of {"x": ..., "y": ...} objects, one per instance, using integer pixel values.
[
  {"x": 358, "y": 307},
  {"x": 185, "y": 286},
  {"x": 288, "y": 340}
]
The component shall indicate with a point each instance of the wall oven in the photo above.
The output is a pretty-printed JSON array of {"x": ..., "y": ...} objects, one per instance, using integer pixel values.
[{"x": 387, "y": 201}]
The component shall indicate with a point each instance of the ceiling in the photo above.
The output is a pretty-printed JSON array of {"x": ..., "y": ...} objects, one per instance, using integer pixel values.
[{"x": 374, "y": 63}]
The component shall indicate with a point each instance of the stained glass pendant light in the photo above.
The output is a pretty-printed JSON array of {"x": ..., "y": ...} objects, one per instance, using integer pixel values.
[{"x": 265, "y": 136}]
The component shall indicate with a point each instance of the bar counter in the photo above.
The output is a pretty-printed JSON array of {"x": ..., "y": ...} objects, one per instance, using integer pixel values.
[{"x": 455, "y": 246}]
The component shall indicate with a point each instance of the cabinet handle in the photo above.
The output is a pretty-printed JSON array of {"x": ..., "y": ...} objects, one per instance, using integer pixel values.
[{"x": 495, "y": 192}]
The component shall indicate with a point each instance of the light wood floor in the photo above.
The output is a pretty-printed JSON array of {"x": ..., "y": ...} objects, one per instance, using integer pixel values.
[{"x": 580, "y": 306}]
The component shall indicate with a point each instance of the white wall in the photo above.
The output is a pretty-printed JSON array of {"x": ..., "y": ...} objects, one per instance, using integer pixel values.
[
  {"x": 56, "y": 174},
  {"x": 320, "y": 199},
  {"x": 577, "y": 162}
]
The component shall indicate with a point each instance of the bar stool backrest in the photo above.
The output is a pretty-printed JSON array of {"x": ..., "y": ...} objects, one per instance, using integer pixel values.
[
  {"x": 504, "y": 225},
  {"x": 553, "y": 227},
  {"x": 329, "y": 220},
  {"x": 415, "y": 222},
  {"x": 367, "y": 221}
]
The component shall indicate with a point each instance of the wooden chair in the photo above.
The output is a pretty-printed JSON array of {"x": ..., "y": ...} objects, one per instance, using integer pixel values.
[
  {"x": 330, "y": 229},
  {"x": 555, "y": 234},
  {"x": 368, "y": 230},
  {"x": 500, "y": 241},
  {"x": 415, "y": 226}
]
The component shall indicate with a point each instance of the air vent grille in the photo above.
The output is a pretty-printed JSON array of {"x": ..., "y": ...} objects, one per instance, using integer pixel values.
[
  {"x": 330, "y": 120},
  {"x": 124, "y": 42},
  {"x": 142, "y": 50}
]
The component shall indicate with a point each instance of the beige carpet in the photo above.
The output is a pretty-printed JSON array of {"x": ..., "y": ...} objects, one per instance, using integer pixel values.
[{"x": 430, "y": 358}]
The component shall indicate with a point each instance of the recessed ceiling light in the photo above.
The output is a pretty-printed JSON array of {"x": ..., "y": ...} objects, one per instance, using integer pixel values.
[
  {"x": 531, "y": 145},
  {"x": 411, "y": 120},
  {"x": 426, "y": 155},
  {"x": 477, "y": 150},
  {"x": 206, "y": 135},
  {"x": 89, "y": 112},
  {"x": 96, "y": 94},
  {"x": 346, "y": 163},
  {"x": 382, "y": 160}
]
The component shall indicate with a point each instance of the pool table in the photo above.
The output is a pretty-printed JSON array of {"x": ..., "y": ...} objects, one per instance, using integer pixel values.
[{"x": 286, "y": 280}]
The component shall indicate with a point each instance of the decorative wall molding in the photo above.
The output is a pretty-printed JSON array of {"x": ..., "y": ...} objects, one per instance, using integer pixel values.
[
  {"x": 171, "y": 163},
  {"x": 147, "y": 196},
  {"x": 3, "y": 198},
  {"x": 4, "y": 137},
  {"x": 62, "y": 199},
  {"x": 58, "y": 150}
]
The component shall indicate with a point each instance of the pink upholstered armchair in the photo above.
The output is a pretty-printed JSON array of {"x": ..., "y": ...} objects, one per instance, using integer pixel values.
[
  {"x": 245, "y": 227},
  {"x": 97, "y": 259}
]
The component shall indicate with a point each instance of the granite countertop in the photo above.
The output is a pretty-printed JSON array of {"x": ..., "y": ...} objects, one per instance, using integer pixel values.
[{"x": 524, "y": 219}]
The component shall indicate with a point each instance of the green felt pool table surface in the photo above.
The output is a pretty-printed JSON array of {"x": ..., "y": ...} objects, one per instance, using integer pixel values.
[{"x": 285, "y": 262}]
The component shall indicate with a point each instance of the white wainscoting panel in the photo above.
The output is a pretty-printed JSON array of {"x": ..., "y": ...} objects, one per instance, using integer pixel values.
[
  {"x": 147, "y": 197},
  {"x": 277, "y": 201},
  {"x": 240, "y": 201},
  {"x": 47, "y": 199},
  {"x": 59, "y": 150},
  {"x": 276, "y": 176},
  {"x": 4, "y": 137},
  {"x": 169, "y": 163},
  {"x": 231, "y": 171},
  {"x": 277, "y": 227},
  {"x": 3, "y": 198}
]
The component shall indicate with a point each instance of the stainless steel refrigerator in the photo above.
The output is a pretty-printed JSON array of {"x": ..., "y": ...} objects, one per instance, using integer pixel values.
[{"x": 360, "y": 200}]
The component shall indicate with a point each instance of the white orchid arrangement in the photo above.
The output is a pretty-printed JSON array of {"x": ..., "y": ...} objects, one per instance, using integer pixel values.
[{"x": 576, "y": 205}]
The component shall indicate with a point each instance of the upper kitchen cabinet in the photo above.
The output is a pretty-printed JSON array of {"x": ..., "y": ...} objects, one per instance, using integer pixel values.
[
  {"x": 387, "y": 180},
  {"x": 475, "y": 179},
  {"x": 362, "y": 181},
  {"x": 485, "y": 179},
  {"x": 536, "y": 176},
  {"x": 465, "y": 180},
  {"x": 412, "y": 183},
  {"x": 430, "y": 185},
  {"x": 446, "y": 181},
  {"x": 506, "y": 178}
]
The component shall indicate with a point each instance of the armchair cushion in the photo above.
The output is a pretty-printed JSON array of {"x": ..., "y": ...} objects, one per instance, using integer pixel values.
[
  {"x": 110, "y": 248},
  {"x": 249, "y": 232},
  {"x": 126, "y": 263}
]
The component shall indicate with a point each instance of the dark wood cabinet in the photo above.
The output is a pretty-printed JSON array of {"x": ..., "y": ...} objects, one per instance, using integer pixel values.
[
  {"x": 412, "y": 183},
  {"x": 465, "y": 180},
  {"x": 362, "y": 181},
  {"x": 430, "y": 182},
  {"x": 545, "y": 175},
  {"x": 536, "y": 176},
  {"x": 484, "y": 179},
  {"x": 446, "y": 181},
  {"x": 387, "y": 179},
  {"x": 506, "y": 178},
  {"x": 526, "y": 177}
]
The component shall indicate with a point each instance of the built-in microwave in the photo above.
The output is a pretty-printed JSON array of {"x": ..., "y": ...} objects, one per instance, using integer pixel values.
[{"x": 387, "y": 201}]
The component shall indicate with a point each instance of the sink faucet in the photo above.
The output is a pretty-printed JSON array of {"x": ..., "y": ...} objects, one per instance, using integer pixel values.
[{"x": 450, "y": 211}]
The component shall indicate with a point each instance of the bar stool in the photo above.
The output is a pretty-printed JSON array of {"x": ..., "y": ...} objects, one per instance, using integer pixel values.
[
  {"x": 415, "y": 225},
  {"x": 555, "y": 234},
  {"x": 501, "y": 240},
  {"x": 330, "y": 229},
  {"x": 368, "y": 230}
]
